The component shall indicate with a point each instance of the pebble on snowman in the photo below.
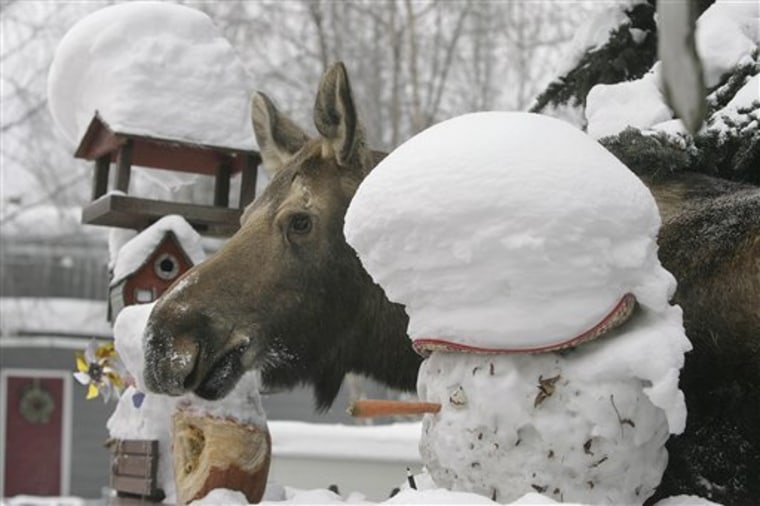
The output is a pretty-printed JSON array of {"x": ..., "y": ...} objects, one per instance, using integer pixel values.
[{"x": 526, "y": 257}]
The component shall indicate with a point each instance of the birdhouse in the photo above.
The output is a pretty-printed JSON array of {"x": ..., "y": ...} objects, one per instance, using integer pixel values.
[
  {"x": 150, "y": 262},
  {"x": 106, "y": 147}
]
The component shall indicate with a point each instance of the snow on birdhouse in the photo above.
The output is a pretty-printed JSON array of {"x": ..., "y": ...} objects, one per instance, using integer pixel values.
[
  {"x": 155, "y": 85},
  {"x": 150, "y": 262}
]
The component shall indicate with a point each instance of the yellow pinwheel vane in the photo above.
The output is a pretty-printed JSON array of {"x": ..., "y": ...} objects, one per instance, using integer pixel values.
[{"x": 101, "y": 370}]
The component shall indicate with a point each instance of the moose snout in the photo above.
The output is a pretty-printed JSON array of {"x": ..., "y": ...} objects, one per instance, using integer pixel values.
[{"x": 170, "y": 364}]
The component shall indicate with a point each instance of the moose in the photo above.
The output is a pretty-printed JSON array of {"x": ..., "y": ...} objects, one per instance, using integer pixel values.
[{"x": 287, "y": 295}]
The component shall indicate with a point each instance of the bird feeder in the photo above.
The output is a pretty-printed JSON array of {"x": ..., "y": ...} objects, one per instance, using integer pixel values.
[{"x": 105, "y": 147}]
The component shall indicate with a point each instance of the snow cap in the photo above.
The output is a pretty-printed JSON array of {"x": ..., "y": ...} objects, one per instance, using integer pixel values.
[
  {"x": 507, "y": 231},
  {"x": 133, "y": 254},
  {"x": 157, "y": 69}
]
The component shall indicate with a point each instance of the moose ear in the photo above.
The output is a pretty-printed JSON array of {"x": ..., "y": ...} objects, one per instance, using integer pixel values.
[
  {"x": 335, "y": 115},
  {"x": 277, "y": 135}
]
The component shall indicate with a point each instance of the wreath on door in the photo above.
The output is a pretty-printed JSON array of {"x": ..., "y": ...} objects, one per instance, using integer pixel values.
[{"x": 36, "y": 403}]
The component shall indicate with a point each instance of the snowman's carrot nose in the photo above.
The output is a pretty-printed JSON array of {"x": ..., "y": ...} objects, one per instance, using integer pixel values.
[{"x": 370, "y": 408}]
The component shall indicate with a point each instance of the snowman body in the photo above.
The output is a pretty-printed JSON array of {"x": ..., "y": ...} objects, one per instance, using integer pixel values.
[
  {"x": 511, "y": 238},
  {"x": 575, "y": 425}
]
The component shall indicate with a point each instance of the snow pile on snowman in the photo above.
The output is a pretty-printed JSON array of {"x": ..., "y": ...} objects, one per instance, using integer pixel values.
[{"x": 526, "y": 257}]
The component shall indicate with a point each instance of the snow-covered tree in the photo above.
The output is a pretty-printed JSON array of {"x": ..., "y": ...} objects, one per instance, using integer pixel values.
[
  {"x": 705, "y": 183},
  {"x": 630, "y": 115}
]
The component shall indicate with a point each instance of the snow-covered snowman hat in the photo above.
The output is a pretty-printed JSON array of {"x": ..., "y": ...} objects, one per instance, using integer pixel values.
[{"x": 505, "y": 231}]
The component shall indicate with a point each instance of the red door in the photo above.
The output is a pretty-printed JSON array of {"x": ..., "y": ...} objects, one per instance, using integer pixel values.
[{"x": 33, "y": 436}]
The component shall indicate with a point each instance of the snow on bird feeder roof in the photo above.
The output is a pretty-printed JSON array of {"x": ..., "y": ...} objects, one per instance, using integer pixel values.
[
  {"x": 154, "y": 69},
  {"x": 155, "y": 85}
]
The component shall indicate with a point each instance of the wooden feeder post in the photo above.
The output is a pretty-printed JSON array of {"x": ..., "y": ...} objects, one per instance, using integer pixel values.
[
  {"x": 134, "y": 469},
  {"x": 105, "y": 146}
]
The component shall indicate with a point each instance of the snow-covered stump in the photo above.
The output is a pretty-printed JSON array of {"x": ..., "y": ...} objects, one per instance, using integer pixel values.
[
  {"x": 221, "y": 444},
  {"x": 519, "y": 247}
]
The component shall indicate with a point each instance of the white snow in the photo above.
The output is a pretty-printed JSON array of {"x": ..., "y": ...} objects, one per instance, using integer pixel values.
[
  {"x": 528, "y": 234},
  {"x": 53, "y": 316},
  {"x": 746, "y": 96},
  {"x": 729, "y": 121},
  {"x": 151, "y": 68},
  {"x": 396, "y": 442},
  {"x": 572, "y": 445},
  {"x": 727, "y": 34},
  {"x": 132, "y": 254},
  {"x": 595, "y": 34},
  {"x": 514, "y": 231},
  {"x": 43, "y": 221},
  {"x": 610, "y": 108}
]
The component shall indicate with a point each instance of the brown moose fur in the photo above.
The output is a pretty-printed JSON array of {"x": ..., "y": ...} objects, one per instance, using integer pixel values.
[
  {"x": 287, "y": 294},
  {"x": 710, "y": 241}
]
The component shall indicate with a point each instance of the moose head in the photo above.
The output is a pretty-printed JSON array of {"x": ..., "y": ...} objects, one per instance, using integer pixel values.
[{"x": 286, "y": 294}]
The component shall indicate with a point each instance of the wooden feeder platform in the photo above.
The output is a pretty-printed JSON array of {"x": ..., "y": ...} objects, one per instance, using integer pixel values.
[{"x": 118, "y": 209}]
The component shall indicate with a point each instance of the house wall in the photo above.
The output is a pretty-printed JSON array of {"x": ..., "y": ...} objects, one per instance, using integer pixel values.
[
  {"x": 35, "y": 267},
  {"x": 89, "y": 459}
]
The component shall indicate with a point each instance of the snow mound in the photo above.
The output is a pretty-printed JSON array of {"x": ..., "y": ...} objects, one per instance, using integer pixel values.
[
  {"x": 151, "y": 68},
  {"x": 516, "y": 232},
  {"x": 507, "y": 231},
  {"x": 610, "y": 109},
  {"x": 583, "y": 425}
]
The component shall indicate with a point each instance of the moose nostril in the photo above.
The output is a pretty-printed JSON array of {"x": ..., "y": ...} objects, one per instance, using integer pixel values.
[
  {"x": 183, "y": 362},
  {"x": 172, "y": 365}
]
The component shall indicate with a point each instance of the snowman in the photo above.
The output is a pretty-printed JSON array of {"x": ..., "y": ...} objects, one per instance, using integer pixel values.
[{"x": 526, "y": 257}]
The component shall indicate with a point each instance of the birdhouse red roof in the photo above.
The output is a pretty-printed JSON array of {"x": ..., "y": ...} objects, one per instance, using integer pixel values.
[{"x": 161, "y": 153}]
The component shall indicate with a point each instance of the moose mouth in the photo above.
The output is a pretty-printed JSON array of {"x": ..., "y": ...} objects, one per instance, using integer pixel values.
[{"x": 223, "y": 375}]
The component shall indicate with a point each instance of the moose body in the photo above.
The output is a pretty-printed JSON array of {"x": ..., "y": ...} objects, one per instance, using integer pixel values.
[{"x": 287, "y": 295}]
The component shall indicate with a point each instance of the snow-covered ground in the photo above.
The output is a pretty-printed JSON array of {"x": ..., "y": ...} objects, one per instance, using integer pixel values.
[{"x": 52, "y": 317}]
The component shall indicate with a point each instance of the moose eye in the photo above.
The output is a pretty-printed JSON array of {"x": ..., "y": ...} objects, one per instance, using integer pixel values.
[{"x": 300, "y": 223}]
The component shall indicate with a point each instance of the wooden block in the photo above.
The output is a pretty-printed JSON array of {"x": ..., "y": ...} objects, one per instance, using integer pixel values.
[
  {"x": 132, "y": 485},
  {"x": 138, "y": 446},
  {"x": 134, "y": 465},
  {"x": 134, "y": 469}
]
